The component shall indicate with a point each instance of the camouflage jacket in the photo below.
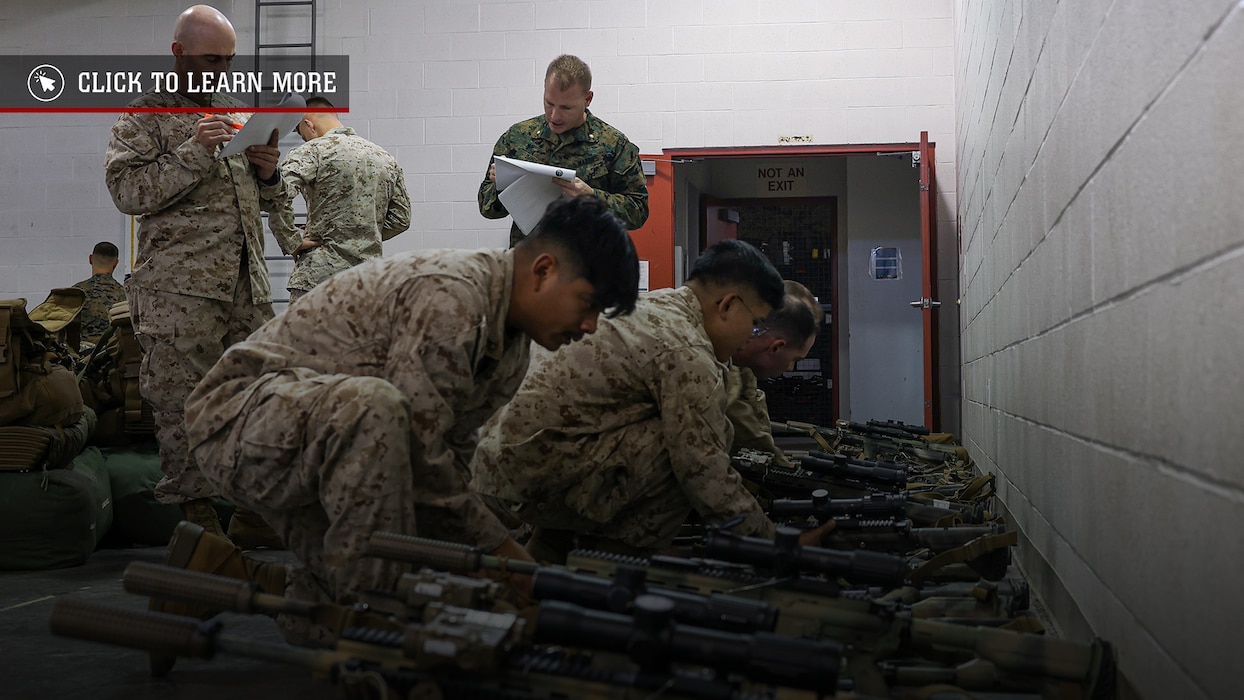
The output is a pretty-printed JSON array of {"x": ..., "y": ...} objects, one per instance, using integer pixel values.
[
  {"x": 102, "y": 291},
  {"x": 356, "y": 198},
  {"x": 749, "y": 415},
  {"x": 601, "y": 156},
  {"x": 621, "y": 434},
  {"x": 198, "y": 215},
  {"x": 433, "y": 324}
]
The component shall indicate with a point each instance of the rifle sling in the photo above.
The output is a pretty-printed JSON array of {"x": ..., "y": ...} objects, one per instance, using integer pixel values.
[{"x": 976, "y": 548}]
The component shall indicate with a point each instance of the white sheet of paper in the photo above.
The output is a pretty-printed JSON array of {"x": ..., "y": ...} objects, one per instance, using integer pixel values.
[
  {"x": 527, "y": 188},
  {"x": 527, "y": 198},
  {"x": 258, "y": 129}
]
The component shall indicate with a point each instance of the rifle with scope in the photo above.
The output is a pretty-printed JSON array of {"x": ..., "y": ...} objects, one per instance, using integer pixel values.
[
  {"x": 876, "y": 505},
  {"x": 469, "y": 647},
  {"x": 878, "y": 629},
  {"x": 876, "y": 440}
]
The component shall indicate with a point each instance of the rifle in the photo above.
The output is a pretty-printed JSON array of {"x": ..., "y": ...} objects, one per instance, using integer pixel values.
[
  {"x": 784, "y": 556},
  {"x": 875, "y": 441},
  {"x": 891, "y": 535},
  {"x": 877, "y": 474},
  {"x": 447, "y": 639},
  {"x": 877, "y": 629},
  {"x": 722, "y": 612},
  {"x": 905, "y": 429},
  {"x": 379, "y": 668},
  {"x": 874, "y": 629},
  {"x": 758, "y": 468},
  {"x": 875, "y": 505}
]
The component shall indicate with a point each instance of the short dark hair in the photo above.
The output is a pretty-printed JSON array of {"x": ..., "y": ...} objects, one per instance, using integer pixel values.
[
  {"x": 318, "y": 101},
  {"x": 104, "y": 249},
  {"x": 594, "y": 242},
  {"x": 736, "y": 262}
]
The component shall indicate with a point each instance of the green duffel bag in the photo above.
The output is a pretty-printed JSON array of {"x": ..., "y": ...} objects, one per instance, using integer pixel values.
[
  {"x": 52, "y": 519},
  {"x": 138, "y": 517}
]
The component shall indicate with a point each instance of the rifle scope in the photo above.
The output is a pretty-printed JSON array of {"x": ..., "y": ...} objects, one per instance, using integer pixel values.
[
  {"x": 784, "y": 556},
  {"x": 822, "y": 507},
  {"x": 653, "y": 641},
  {"x": 719, "y": 612}
]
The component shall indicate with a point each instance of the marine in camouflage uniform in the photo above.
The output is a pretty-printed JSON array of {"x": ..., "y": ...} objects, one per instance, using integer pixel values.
[
  {"x": 102, "y": 291},
  {"x": 618, "y": 437},
  {"x": 199, "y": 282},
  {"x": 788, "y": 336},
  {"x": 356, "y": 411},
  {"x": 356, "y": 197},
  {"x": 749, "y": 415},
  {"x": 570, "y": 136}
]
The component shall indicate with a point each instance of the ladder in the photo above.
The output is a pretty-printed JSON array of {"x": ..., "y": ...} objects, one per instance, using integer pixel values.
[{"x": 287, "y": 25}]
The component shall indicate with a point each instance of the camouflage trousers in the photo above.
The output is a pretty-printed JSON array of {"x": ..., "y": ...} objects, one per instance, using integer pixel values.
[
  {"x": 182, "y": 337},
  {"x": 326, "y": 460}
]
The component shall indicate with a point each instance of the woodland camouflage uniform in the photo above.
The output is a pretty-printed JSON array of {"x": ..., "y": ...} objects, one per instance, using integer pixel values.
[
  {"x": 102, "y": 291},
  {"x": 600, "y": 155}
]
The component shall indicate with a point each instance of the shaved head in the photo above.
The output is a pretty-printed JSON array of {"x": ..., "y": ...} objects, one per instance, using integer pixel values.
[
  {"x": 202, "y": 24},
  {"x": 203, "y": 42}
]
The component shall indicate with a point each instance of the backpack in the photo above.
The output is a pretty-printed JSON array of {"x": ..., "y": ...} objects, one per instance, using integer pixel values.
[{"x": 38, "y": 390}]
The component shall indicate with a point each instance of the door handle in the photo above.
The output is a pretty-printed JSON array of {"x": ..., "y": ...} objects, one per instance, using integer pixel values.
[{"x": 925, "y": 303}]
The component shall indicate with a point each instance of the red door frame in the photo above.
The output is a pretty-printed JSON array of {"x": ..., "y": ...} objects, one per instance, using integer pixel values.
[
  {"x": 654, "y": 241},
  {"x": 928, "y": 285},
  {"x": 657, "y": 236}
]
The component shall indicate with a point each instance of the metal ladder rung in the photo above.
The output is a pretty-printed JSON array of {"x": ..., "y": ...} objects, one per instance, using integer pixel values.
[
  {"x": 261, "y": 3},
  {"x": 283, "y": 46}
]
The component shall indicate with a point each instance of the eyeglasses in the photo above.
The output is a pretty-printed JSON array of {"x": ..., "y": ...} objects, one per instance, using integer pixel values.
[{"x": 758, "y": 324}]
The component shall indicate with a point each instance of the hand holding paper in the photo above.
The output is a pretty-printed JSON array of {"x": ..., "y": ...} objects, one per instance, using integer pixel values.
[
  {"x": 258, "y": 129},
  {"x": 526, "y": 188}
]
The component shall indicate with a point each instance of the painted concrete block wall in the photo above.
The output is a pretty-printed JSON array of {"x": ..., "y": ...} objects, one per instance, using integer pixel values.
[{"x": 1103, "y": 253}]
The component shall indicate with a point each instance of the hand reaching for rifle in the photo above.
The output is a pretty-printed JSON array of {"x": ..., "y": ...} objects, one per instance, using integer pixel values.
[
  {"x": 520, "y": 583},
  {"x": 812, "y": 538}
]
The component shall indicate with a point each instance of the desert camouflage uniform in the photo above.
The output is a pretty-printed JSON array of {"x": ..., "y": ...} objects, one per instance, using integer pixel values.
[
  {"x": 749, "y": 415},
  {"x": 356, "y": 198},
  {"x": 102, "y": 291},
  {"x": 199, "y": 281},
  {"x": 620, "y": 435},
  {"x": 601, "y": 156},
  {"x": 357, "y": 409}
]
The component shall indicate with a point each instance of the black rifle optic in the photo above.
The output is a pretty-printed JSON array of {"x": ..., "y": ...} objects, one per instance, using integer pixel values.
[
  {"x": 653, "y": 641},
  {"x": 784, "y": 556}
]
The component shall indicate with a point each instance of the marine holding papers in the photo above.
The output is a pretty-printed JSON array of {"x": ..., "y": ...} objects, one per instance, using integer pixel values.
[{"x": 596, "y": 158}]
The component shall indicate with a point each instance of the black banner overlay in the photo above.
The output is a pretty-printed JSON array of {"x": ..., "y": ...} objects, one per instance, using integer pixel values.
[{"x": 111, "y": 83}]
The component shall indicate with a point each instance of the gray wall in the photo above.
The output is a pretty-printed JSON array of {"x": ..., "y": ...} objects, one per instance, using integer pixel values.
[
  {"x": 886, "y": 335},
  {"x": 1103, "y": 299}
]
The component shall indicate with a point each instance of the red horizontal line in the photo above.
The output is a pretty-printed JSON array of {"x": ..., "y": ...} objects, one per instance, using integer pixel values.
[{"x": 169, "y": 110}]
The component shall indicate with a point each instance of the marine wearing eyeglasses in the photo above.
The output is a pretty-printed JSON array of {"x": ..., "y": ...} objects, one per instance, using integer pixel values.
[
  {"x": 612, "y": 442},
  {"x": 777, "y": 343}
]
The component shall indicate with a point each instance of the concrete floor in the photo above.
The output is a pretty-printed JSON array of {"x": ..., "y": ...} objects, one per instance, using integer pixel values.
[{"x": 36, "y": 664}]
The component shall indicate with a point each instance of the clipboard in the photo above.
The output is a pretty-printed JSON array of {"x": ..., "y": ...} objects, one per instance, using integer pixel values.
[{"x": 258, "y": 129}]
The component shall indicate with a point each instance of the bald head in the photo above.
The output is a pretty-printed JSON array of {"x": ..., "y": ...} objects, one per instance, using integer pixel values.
[
  {"x": 203, "y": 42},
  {"x": 202, "y": 30}
]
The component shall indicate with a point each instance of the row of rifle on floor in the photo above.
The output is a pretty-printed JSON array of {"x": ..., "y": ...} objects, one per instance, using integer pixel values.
[{"x": 908, "y": 598}]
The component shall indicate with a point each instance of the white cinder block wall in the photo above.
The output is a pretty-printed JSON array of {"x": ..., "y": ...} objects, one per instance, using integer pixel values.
[{"x": 1103, "y": 315}]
